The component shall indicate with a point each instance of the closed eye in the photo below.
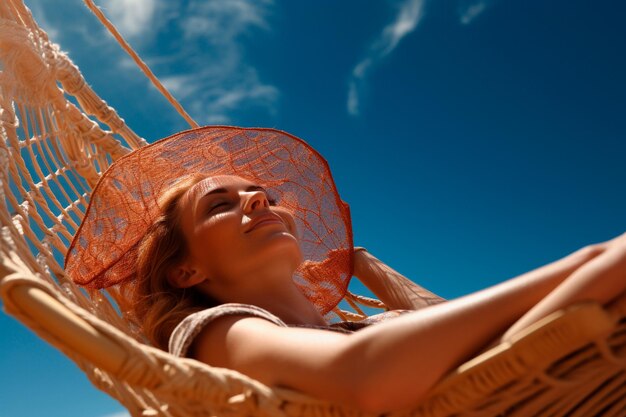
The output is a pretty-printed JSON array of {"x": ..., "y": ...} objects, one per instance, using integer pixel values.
[
  {"x": 223, "y": 205},
  {"x": 218, "y": 206}
]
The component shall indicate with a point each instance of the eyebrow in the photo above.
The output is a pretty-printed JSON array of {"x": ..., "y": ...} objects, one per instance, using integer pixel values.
[{"x": 224, "y": 190}]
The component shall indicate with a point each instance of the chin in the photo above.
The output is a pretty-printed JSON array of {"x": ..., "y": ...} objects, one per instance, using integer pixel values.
[{"x": 283, "y": 246}]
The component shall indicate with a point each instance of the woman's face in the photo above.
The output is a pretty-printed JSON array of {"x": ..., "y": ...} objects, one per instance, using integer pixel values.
[{"x": 233, "y": 229}]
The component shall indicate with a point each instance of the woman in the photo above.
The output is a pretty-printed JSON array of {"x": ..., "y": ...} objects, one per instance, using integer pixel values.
[{"x": 212, "y": 274}]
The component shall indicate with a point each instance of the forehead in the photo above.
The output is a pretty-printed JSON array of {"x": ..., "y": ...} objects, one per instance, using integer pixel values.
[{"x": 218, "y": 181}]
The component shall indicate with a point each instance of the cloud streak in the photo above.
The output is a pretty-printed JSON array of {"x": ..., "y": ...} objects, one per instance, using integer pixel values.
[
  {"x": 407, "y": 19},
  {"x": 468, "y": 11},
  {"x": 196, "y": 48},
  {"x": 133, "y": 18},
  {"x": 219, "y": 82}
]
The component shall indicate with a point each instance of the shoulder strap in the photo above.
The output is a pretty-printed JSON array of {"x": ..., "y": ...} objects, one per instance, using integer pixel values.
[{"x": 183, "y": 335}]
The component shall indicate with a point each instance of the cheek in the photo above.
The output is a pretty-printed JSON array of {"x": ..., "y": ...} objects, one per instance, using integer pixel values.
[
  {"x": 217, "y": 236},
  {"x": 288, "y": 219}
]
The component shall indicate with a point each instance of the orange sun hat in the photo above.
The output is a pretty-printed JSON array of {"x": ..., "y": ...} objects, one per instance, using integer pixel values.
[{"x": 124, "y": 204}]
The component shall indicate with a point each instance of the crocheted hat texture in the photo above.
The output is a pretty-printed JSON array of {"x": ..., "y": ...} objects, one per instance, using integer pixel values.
[{"x": 123, "y": 204}]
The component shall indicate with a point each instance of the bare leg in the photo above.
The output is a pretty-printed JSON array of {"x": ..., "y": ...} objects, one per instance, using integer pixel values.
[{"x": 602, "y": 279}]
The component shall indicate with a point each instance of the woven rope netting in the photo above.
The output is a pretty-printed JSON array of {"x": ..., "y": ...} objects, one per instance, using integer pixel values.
[{"x": 58, "y": 136}]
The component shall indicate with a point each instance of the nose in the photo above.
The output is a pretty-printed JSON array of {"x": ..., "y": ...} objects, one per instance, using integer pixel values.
[{"x": 254, "y": 200}]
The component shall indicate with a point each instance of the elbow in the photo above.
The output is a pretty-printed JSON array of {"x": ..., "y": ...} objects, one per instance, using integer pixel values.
[{"x": 591, "y": 251}]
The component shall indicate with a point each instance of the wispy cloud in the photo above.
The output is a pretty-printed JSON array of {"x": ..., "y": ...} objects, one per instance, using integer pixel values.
[
  {"x": 218, "y": 81},
  {"x": 211, "y": 98},
  {"x": 409, "y": 15},
  {"x": 196, "y": 48},
  {"x": 133, "y": 18},
  {"x": 221, "y": 22},
  {"x": 202, "y": 61},
  {"x": 469, "y": 10},
  {"x": 43, "y": 21}
]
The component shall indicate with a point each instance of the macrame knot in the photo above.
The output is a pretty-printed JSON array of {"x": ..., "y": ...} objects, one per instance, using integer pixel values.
[
  {"x": 23, "y": 58},
  {"x": 7, "y": 116},
  {"x": 69, "y": 75}
]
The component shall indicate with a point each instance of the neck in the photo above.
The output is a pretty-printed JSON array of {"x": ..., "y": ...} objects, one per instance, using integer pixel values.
[
  {"x": 287, "y": 303},
  {"x": 274, "y": 290}
]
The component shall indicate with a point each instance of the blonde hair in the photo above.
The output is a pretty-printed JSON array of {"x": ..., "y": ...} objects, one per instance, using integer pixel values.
[{"x": 158, "y": 306}]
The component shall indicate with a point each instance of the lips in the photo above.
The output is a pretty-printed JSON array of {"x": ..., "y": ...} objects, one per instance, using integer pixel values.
[{"x": 264, "y": 219}]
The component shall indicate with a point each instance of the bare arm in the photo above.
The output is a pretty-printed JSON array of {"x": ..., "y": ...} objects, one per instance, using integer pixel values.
[
  {"x": 445, "y": 328},
  {"x": 601, "y": 281},
  {"x": 398, "y": 292},
  {"x": 384, "y": 367}
]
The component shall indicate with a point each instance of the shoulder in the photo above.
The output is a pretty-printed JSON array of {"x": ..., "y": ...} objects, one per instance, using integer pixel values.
[
  {"x": 234, "y": 339},
  {"x": 318, "y": 362},
  {"x": 269, "y": 353},
  {"x": 188, "y": 330},
  {"x": 250, "y": 342}
]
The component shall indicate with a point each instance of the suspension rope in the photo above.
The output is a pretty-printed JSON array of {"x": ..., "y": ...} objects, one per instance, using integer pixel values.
[{"x": 142, "y": 65}]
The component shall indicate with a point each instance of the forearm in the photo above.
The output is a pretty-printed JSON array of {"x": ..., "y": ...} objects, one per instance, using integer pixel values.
[
  {"x": 398, "y": 292},
  {"x": 453, "y": 331},
  {"x": 601, "y": 281},
  {"x": 409, "y": 354},
  {"x": 389, "y": 286}
]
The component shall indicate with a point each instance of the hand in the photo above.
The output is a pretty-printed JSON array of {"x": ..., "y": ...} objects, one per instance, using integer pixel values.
[
  {"x": 360, "y": 260},
  {"x": 312, "y": 269}
]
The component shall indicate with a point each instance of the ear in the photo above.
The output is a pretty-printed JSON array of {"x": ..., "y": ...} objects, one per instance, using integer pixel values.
[{"x": 185, "y": 276}]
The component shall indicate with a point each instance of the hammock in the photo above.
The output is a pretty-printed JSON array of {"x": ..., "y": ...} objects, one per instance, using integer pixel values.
[{"x": 58, "y": 136}]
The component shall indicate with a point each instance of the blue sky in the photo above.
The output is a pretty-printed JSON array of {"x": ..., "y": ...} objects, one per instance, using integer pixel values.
[{"x": 473, "y": 139}]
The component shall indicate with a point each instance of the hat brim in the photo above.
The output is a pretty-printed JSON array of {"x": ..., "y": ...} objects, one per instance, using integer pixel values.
[{"x": 123, "y": 205}]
